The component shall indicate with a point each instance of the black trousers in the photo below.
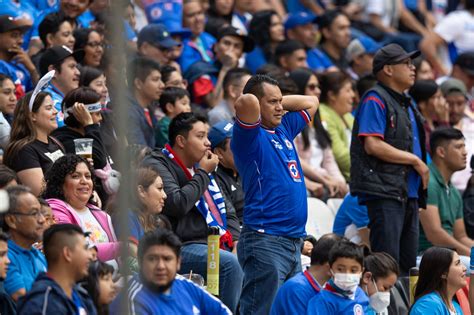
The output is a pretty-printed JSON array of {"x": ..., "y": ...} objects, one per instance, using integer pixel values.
[{"x": 394, "y": 229}]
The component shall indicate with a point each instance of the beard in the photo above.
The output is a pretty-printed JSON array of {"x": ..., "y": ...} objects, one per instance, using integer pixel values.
[{"x": 153, "y": 286}]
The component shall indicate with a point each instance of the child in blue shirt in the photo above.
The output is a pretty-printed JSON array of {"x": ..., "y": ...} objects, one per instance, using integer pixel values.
[{"x": 341, "y": 294}]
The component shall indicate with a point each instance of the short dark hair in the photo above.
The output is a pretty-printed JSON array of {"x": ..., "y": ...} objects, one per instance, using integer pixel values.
[
  {"x": 171, "y": 95},
  {"x": 365, "y": 83},
  {"x": 255, "y": 84},
  {"x": 83, "y": 95},
  {"x": 320, "y": 252},
  {"x": 140, "y": 68},
  {"x": 346, "y": 249},
  {"x": 233, "y": 76},
  {"x": 89, "y": 74},
  {"x": 166, "y": 71},
  {"x": 332, "y": 82},
  {"x": 182, "y": 124},
  {"x": 13, "y": 193},
  {"x": 3, "y": 237},
  {"x": 56, "y": 237},
  {"x": 326, "y": 20},
  {"x": 4, "y": 77},
  {"x": 158, "y": 237},
  {"x": 43, "y": 202},
  {"x": 286, "y": 48},
  {"x": 6, "y": 175},
  {"x": 441, "y": 136},
  {"x": 381, "y": 265},
  {"x": 51, "y": 24}
]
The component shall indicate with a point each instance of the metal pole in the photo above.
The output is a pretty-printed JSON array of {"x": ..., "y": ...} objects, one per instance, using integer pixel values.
[{"x": 120, "y": 109}]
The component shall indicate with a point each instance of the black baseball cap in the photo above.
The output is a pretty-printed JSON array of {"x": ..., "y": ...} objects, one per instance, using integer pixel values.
[
  {"x": 9, "y": 23},
  {"x": 466, "y": 62},
  {"x": 56, "y": 54},
  {"x": 391, "y": 55},
  {"x": 232, "y": 31}
]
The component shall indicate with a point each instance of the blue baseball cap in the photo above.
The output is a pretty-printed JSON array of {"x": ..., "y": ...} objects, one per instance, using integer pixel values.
[
  {"x": 300, "y": 18},
  {"x": 219, "y": 132},
  {"x": 176, "y": 29},
  {"x": 361, "y": 45},
  {"x": 157, "y": 35}
]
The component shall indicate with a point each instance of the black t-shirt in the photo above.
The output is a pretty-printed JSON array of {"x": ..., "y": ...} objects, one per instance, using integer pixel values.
[{"x": 37, "y": 154}]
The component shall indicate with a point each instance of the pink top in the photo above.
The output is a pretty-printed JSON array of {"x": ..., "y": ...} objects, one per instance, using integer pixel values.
[{"x": 64, "y": 213}]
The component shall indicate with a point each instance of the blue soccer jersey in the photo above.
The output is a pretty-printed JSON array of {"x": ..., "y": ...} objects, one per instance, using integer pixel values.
[
  {"x": 371, "y": 116},
  {"x": 275, "y": 192},
  {"x": 294, "y": 295},
  {"x": 184, "y": 298},
  {"x": 332, "y": 303}
]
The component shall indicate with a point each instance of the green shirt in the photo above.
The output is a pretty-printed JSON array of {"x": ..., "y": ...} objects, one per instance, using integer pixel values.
[
  {"x": 448, "y": 201},
  {"x": 161, "y": 132},
  {"x": 339, "y": 130}
]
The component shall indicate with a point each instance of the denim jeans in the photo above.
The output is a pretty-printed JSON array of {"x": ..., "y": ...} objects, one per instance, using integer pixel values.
[
  {"x": 194, "y": 257},
  {"x": 394, "y": 229},
  {"x": 267, "y": 261}
]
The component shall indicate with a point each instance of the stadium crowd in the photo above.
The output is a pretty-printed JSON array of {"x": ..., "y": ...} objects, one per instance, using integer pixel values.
[{"x": 329, "y": 143}]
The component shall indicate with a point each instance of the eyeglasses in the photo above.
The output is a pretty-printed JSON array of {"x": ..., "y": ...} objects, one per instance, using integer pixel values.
[
  {"x": 408, "y": 63},
  {"x": 313, "y": 86},
  {"x": 96, "y": 45},
  {"x": 36, "y": 214}
]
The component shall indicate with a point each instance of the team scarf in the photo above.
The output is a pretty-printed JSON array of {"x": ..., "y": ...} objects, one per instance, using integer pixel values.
[{"x": 217, "y": 199}]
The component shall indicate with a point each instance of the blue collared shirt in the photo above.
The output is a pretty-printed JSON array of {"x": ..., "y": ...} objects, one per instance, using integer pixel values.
[{"x": 25, "y": 265}]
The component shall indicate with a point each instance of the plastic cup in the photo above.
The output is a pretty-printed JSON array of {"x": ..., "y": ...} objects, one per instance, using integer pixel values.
[{"x": 84, "y": 147}]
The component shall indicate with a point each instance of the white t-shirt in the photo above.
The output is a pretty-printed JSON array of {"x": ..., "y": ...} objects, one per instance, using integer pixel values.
[
  {"x": 456, "y": 28},
  {"x": 90, "y": 224},
  {"x": 388, "y": 11}
]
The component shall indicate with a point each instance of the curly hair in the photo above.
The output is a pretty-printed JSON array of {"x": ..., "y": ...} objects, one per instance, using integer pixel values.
[{"x": 56, "y": 175}]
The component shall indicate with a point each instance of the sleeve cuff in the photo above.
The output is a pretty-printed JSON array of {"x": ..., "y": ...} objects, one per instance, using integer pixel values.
[{"x": 246, "y": 125}]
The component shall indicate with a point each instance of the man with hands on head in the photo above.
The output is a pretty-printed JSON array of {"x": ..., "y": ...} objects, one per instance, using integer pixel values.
[
  {"x": 194, "y": 201},
  {"x": 275, "y": 209}
]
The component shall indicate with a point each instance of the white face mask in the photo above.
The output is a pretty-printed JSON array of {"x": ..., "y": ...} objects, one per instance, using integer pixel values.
[
  {"x": 347, "y": 281},
  {"x": 380, "y": 300}
]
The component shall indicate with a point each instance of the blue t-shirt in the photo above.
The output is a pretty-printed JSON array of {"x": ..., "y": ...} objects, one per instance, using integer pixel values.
[
  {"x": 134, "y": 228},
  {"x": 328, "y": 303},
  {"x": 17, "y": 72},
  {"x": 318, "y": 60},
  {"x": 267, "y": 161},
  {"x": 255, "y": 59},
  {"x": 43, "y": 4},
  {"x": 191, "y": 52},
  {"x": 184, "y": 298},
  {"x": 433, "y": 304},
  {"x": 349, "y": 213},
  {"x": 371, "y": 116},
  {"x": 294, "y": 294},
  {"x": 57, "y": 97},
  {"x": 25, "y": 265}
]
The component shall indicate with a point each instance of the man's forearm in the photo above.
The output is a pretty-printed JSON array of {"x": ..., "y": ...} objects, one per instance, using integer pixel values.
[
  {"x": 385, "y": 152},
  {"x": 294, "y": 103},
  {"x": 441, "y": 238}
]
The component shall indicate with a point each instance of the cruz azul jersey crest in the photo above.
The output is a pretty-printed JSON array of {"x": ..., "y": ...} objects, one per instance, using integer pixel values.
[{"x": 294, "y": 171}]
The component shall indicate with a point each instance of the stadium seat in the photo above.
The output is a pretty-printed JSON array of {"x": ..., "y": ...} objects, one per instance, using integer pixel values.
[
  {"x": 320, "y": 218},
  {"x": 334, "y": 204}
]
